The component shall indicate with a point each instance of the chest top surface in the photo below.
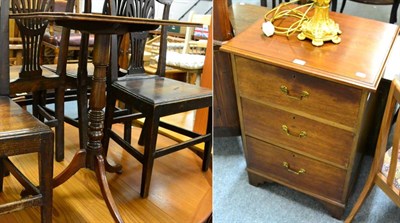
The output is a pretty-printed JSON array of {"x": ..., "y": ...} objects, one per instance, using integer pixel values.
[{"x": 359, "y": 60}]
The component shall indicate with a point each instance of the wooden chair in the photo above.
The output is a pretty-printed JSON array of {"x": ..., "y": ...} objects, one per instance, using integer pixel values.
[
  {"x": 393, "y": 12},
  {"x": 187, "y": 54},
  {"x": 154, "y": 96},
  {"x": 30, "y": 79},
  {"x": 52, "y": 36},
  {"x": 385, "y": 170},
  {"x": 21, "y": 133}
]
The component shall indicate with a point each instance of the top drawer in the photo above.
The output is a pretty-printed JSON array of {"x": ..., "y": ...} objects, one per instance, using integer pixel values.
[{"x": 293, "y": 90}]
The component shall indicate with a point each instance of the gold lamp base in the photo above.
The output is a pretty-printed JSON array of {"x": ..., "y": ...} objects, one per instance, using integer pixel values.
[{"x": 320, "y": 27}]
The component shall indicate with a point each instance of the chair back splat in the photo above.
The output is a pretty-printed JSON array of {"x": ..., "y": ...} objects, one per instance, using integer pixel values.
[
  {"x": 137, "y": 40},
  {"x": 32, "y": 36}
]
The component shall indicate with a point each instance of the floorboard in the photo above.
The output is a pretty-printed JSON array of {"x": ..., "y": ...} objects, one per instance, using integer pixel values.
[{"x": 177, "y": 186}]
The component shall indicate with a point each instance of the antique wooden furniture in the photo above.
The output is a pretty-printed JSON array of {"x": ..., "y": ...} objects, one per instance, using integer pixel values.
[
  {"x": 201, "y": 117},
  {"x": 102, "y": 26},
  {"x": 52, "y": 37},
  {"x": 188, "y": 54},
  {"x": 29, "y": 78},
  {"x": 385, "y": 171},
  {"x": 226, "y": 118},
  {"x": 77, "y": 76},
  {"x": 393, "y": 11},
  {"x": 305, "y": 110},
  {"x": 228, "y": 21},
  {"x": 156, "y": 96},
  {"x": 21, "y": 133}
]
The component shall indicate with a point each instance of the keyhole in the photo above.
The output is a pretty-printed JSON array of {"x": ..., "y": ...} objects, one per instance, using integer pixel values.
[
  {"x": 294, "y": 76},
  {"x": 293, "y": 117}
]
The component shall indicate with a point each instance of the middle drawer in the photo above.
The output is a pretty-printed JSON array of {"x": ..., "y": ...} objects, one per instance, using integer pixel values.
[{"x": 297, "y": 133}]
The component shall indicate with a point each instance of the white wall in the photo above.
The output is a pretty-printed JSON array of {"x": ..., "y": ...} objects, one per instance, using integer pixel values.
[{"x": 97, "y": 6}]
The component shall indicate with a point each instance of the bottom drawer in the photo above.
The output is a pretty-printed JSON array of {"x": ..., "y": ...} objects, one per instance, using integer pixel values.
[{"x": 300, "y": 172}]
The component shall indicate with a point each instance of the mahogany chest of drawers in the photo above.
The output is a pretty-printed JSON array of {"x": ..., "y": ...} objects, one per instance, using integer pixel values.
[{"x": 304, "y": 110}]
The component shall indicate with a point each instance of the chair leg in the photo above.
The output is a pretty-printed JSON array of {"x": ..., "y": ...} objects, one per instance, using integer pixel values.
[
  {"x": 393, "y": 13},
  {"x": 56, "y": 53},
  {"x": 143, "y": 133},
  {"x": 46, "y": 179},
  {"x": 82, "y": 101},
  {"x": 2, "y": 174},
  {"x": 364, "y": 194},
  {"x": 42, "y": 102},
  {"x": 36, "y": 100},
  {"x": 18, "y": 57},
  {"x": 59, "y": 113},
  {"x": 191, "y": 78},
  {"x": 108, "y": 121},
  {"x": 128, "y": 126},
  {"x": 41, "y": 57},
  {"x": 343, "y": 4},
  {"x": 208, "y": 144},
  {"x": 334, "y": 5},
  {"x": 149, "y": 151}
]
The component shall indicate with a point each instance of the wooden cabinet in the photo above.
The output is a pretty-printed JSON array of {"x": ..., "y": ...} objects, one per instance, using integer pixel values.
[
  {"x": 225, "y": 114},
  {"x": 305, "y": 111}
]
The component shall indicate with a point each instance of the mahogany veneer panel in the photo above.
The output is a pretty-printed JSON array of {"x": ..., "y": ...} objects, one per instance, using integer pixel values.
[
  {"x": 322, "y": 141},
  {"x": 323, "y": 95},
  {"x": 319, "y": 178}
]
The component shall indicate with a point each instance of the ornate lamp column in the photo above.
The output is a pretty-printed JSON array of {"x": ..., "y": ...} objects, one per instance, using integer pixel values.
[{"x": 320, "y": 27}]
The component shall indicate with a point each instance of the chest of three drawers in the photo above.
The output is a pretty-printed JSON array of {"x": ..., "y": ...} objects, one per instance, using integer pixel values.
[
  {"x": 305, "y": 112},
  {"x": 300, "y": 131}
]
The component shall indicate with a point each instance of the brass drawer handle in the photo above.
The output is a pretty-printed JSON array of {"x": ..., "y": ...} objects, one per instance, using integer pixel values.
[
  {"x": 303, "y": 94},
  {"x": 302, "y": 134},
  {"x": 301, "y": 171}
]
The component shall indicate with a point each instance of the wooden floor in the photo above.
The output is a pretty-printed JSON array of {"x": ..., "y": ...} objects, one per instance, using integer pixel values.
[{"x": 177, "y": 186}]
